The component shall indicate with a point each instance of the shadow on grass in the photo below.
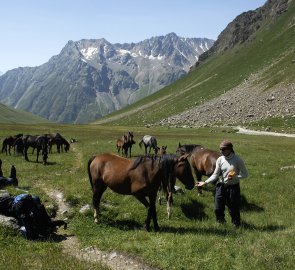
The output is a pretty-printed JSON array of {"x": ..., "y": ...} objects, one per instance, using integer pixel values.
[
  {"x": 194, "y": 210},
  {"x": 50, "y": 163},
  {"x": 249, "y": 207},
  {"x": 222, "y": 229},
  {"x": 124, "y": 225}
]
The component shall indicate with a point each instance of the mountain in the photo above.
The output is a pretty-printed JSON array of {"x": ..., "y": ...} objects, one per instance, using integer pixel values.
[
  {"x": 91, "y": 78},
  {"x": 12, "y": 116},
  {"x": 248, "y": 75}
]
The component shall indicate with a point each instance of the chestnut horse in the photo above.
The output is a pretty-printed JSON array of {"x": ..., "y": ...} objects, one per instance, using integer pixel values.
[
  {"x": 120, "y": 144},
  {"x": 203, "y": 160},
  {"x": 141, "y": 178}
]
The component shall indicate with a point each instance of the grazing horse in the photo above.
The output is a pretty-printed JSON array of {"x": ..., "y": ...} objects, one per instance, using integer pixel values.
[
  {"x": 8, "y": 142},
  {"x": 141, "y": 178},
  {"x": 59, "y": 141},
  {"x": 149, "y": 141},
  {"x": 38, "y": 142}
]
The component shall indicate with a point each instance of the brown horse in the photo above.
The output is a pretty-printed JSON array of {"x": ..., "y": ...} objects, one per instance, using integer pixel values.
[
  {"x": 141, "y": 178},
  {"x": 120, "y": 144},
  {"x": 203, "y": 160}
]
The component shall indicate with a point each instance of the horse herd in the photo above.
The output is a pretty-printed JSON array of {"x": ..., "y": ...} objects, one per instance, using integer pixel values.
[
  {"x": 42, "y": 143},
  {"x": 143, "y": 176}
]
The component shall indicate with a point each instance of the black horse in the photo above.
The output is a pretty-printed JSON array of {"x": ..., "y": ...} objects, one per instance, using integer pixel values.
[
  {"x": 128, "y": 144},
  {"x": 8, "y": 143}
]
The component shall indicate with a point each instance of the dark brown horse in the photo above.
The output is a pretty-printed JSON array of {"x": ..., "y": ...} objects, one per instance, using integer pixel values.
[
  {"x": 141, "y": 178},
  {"x": 128, "y": 144},
  {"x": 58, "y": 140},
  {"x": 8, "y": 143},
  {"x": 124, "y": 144},
  {"x": 186, "y": 148},
  {"x": 38, "y": 142},
  {"x": 203, "y": 160}
]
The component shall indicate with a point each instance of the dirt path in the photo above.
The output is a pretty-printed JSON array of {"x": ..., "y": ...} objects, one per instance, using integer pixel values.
[
  {"x": 266, "y": 133},
  {"x": 71, "y": 245}
]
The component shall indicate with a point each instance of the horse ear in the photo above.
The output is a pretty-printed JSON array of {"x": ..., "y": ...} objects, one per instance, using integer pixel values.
[{"x": 179, "y": 145}]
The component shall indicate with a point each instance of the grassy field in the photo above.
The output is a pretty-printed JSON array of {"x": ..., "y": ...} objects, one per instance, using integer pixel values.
[{"x": 191, "y": 239}]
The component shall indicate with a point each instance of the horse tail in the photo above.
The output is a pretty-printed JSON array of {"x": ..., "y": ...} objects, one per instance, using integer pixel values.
[
  {"x": 140, "y": 143},
  {"x": 88, "y": 170},
  {"x": 4, "y": 145}
]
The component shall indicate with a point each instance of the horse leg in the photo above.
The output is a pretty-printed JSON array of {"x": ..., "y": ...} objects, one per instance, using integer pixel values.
[
  {"x": 160, "y": 194},
  {"x": 147, "y": 205},
  {"x": 169, "y": 204},
  {"x": 153, "y": 211},
  {"x": 98, "y": 190},
  {"x": 26, "y": 153},
  {"x": 38, "y": 152}
]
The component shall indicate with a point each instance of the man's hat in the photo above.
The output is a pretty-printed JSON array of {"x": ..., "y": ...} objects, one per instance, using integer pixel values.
[{"x": 226, "y": 144}]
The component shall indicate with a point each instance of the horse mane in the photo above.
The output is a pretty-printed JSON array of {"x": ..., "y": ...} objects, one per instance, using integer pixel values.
[{"x": 165, "y": 162}]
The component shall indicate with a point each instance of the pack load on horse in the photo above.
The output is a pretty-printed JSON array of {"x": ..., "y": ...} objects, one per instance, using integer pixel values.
[
  {"x": 8, "y": 181},
  {"x": 149, "y": 142},
  {"x": 203, "y": 160},
  {"x": 141, "y": 178}
]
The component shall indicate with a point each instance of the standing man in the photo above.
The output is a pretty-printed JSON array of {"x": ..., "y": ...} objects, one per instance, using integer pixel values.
[{"x": 231, "y": 170}]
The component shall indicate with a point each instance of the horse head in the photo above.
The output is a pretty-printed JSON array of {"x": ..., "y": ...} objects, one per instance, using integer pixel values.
[{"x": 183, "y": 171}]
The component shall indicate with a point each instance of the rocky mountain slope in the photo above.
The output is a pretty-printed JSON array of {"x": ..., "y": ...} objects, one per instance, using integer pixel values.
[
  {"x": 91, "y": 78},
  {"x": 246, "y": 76}
]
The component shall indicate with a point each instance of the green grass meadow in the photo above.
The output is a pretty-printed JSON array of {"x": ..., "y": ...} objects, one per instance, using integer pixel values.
[{"x": 191, "y": 239}]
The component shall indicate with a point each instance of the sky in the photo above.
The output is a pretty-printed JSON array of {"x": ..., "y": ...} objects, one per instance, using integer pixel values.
[{"x": 32, "y": 31}]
